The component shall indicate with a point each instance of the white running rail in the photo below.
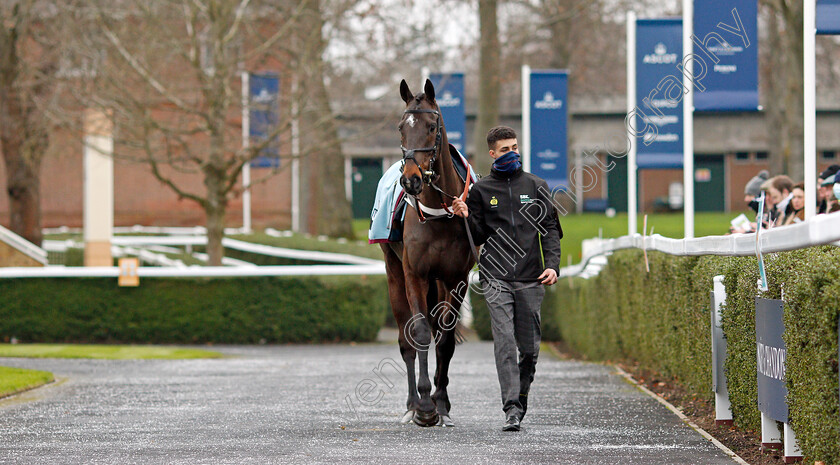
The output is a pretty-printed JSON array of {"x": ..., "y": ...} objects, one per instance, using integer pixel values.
[
  {"x": 31, "y": 250},
  {"x": 819, "y": 230}
]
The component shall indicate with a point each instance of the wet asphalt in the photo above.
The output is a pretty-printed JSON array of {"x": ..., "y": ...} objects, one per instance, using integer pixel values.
[{"x": 326, "y": 404}]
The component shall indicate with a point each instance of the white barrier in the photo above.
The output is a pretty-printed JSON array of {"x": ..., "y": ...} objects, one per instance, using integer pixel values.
[
  {"x": 819, "y": 230},
  {"x": 194, "y": 271},
  {"x": 31, "y": 250}
]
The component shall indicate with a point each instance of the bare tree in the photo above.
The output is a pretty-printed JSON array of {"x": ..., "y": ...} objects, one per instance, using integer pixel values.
[
  {"x": 783, "y": 97},
  {"x": 326, "y": 208},
  {"x": 489, "y": 72},
  {"x": 171, "y": 74},
  {"x": 27, "y": 85}
]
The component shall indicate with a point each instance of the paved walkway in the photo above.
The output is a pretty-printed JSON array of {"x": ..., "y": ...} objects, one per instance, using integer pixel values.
[{"x": 289, "y": 404}]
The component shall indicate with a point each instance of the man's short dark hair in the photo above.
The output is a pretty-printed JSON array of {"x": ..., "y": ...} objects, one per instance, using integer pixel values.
[{"x": 499, "y": 133}]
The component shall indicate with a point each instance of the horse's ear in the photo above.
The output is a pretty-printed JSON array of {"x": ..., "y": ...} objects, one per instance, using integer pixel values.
[
  {"x": 429, "y": 89},
  {"x": 405, "y": 93}
]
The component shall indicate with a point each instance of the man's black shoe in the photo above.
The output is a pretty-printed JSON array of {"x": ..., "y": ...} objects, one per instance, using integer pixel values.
[{"x": 512, "y": 423}]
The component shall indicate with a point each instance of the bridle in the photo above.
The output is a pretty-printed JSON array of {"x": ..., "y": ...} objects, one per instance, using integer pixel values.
[{"x": 429, "y": 175}]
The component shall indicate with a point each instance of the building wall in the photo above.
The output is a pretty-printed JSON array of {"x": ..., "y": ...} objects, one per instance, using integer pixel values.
[{"x": 139, "y": 198}]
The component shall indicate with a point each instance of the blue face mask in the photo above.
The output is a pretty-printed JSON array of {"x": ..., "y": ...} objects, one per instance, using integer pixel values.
[
  {"x": 507, "y": 163},
  {"x": 836, "y": 189}
]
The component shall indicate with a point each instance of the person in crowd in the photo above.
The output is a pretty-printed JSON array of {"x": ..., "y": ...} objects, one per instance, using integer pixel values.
[
  {"x": 796, "y": 210},
  {"x": 778, "y": 189},
  {"x": 752, "y": 190},
  {"x": 824, "y": 191},
  {"x": 831, "y": 203}
]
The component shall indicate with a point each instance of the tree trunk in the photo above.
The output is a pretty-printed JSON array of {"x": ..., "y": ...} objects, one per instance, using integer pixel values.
[
  {"x": 489, "y": 83},
  {"x": 215, "y": 208},
  {"x": 326, "y": 209},
  {"x": 784, "y": 98},
  {"x": 215, "y": 234},
  {"x": 23, "y": 185},
  {"x": 22, "y": 139}
]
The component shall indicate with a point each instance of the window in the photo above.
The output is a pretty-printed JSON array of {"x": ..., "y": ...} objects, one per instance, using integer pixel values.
[
  {"x": 828, "y": 155},
  {"x": 742, "y": 156},
  {"x": 761, "y": 156}
]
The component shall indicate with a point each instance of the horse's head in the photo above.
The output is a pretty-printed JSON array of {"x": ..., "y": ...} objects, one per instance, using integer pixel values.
[{"x": 421, "y": 132}]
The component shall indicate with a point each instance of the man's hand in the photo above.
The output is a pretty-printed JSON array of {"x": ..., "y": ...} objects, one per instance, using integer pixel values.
[
  {"x": 459, "y": 207},
  {"x": 548, "y": 277}
]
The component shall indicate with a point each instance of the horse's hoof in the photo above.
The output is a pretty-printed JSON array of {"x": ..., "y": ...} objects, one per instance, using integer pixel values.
[
  {"x": 407, "y": 417},
  {"x": 445, "y": 422},
  {"x": 426, "y": 418}
]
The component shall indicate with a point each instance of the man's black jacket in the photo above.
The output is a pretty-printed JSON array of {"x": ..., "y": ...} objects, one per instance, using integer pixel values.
[{"x": 513, "y": 216}]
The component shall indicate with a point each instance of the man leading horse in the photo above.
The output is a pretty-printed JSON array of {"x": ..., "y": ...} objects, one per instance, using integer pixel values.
[{"x": 521, "y": 254}]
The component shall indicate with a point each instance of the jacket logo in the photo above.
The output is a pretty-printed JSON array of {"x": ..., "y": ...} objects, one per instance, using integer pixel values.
[
  {"x": 524, "y": 198},
  {"x": 494, "y": 202}
]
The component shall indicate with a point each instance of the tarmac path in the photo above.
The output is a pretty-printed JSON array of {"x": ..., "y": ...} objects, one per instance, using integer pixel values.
[{"x": 292, "y": 404}]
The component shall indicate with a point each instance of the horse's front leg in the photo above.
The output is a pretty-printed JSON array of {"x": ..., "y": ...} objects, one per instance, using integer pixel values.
[
  {"x": 444, "y": 320},
  {"x": 419, "y": 333}
]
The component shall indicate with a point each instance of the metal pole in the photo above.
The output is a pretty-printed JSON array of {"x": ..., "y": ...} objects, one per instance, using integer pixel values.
[
  {"x": 810, "y": 122},
  {"x": 246, "y": 141},
  {"x": 688, "y": 119},
  {"x": 631, "y": 105},
  {"x": 525, "y": 146}
]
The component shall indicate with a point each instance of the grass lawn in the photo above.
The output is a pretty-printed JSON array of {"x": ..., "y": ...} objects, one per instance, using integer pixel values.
[
  {"x": 14, "y": 380},
  {"x": 106, "y": 352}
]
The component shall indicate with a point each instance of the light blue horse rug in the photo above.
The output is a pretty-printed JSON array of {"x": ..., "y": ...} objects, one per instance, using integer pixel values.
[{"x": 386, "y": 218}]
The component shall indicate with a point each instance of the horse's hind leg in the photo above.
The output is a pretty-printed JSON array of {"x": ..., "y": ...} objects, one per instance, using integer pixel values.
[
  {"x": 444, "y": 320},
  {"x": 402, "y": 315}
]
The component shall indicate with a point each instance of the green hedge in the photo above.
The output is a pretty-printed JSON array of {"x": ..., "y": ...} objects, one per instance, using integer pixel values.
[
  {"x": 221, "y": 310},
  {"x": 661, "y": 319}
]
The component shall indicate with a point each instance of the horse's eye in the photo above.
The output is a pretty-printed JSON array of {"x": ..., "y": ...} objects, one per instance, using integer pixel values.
[{"x": 432, "y": 129}]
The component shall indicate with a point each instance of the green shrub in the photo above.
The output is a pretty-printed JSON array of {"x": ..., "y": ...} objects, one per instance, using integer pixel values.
[
  {"x": 220, "y": 310},
  {"x": 661, "y": 319}
]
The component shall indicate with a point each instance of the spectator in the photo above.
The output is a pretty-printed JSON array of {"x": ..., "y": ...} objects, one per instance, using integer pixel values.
[
  {"x": 835, "y": 194},
  {"x": 778, "y": 190},
  {"x": 796, "y": 210},
  {"x": 752, "y": 190},
  {"x": 824, "y": 192},
  {"x": 830, "y": 200}
]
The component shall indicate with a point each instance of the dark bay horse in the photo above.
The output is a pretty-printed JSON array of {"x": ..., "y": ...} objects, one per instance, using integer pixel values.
[{"x": 428, "y": 271}]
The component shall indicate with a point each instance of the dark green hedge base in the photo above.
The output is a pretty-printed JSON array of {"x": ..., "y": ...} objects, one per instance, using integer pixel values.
[
  {"x": 190, "y": 311},
  {"x": 661, "y": 319}
]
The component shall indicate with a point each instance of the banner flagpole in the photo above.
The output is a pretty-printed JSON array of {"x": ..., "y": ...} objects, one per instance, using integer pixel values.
[
  {"x": 631, "y": 105},
  {"x": 688, "y": 119},
  {"x": 810, "y": 105}
]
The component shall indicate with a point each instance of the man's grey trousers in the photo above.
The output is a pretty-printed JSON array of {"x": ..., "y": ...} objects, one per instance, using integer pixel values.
[{"x": 515, "y": 319}]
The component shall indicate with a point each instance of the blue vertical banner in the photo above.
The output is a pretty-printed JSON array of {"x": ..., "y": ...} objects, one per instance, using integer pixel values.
[
  {"x": 659, "y": 93},
  {"x": 828, "y": 17},
  {"x": 263, "y": 114},
  {"x": 726, "y": 47},
  {"x": 449, "y": 93},
  {"x": 549, "y": 126}
]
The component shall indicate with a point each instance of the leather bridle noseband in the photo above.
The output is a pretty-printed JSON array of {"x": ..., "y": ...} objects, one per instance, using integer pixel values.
[{"x": 408, "y": 154}]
